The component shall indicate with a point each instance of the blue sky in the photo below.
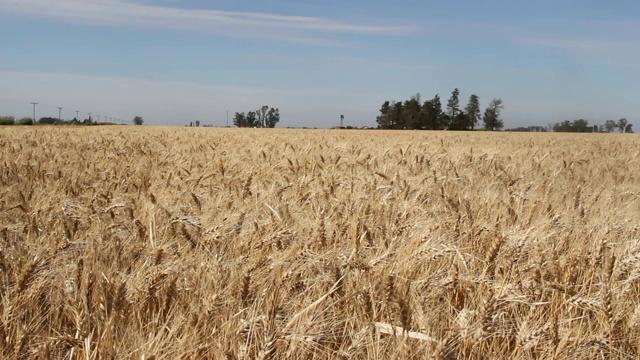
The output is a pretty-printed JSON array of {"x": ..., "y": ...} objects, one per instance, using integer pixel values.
[{"x": 176, "y": 61}]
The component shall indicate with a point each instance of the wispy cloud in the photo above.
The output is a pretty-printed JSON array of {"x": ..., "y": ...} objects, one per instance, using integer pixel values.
[
  {"x": 575, "y": 45},
  {"x": 601, "y": 51},
  {"x": 604, "y": 42},
  {"x": 349, "y": 61},
  {"x": 228, "y": 23}
]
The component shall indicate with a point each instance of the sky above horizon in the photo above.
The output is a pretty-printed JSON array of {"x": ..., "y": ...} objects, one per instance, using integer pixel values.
[{"x": 178, "y": 61}]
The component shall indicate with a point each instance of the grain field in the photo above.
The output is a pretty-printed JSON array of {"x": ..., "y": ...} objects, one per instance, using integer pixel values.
[{"x": 202, "y": 243}]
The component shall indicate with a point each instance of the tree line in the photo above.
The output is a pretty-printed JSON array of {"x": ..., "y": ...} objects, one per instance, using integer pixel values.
[
  {"x": 264, "y": 117},
  {"x": 48, "y": 120},
  {"x": 582, "y": 125},
  {"x": 10, "y": 120},
  {"x": 430, "y": 115}
]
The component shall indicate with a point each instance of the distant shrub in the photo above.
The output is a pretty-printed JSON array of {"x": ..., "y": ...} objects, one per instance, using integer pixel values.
[
  {"x": 47, "y": 120},
  {"x": 25, "y": 121},
  {"x": 7, "y": 120}
]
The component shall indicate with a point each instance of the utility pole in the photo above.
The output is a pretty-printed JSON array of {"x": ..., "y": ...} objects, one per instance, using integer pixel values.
[
  {"x": 98, "y": 118},
  {"x": 59, "y": 114},
  {"x": 89, "y": 117},
  {"x": 77, "y": 115},
  {"x": 227, "y": 118},
  {"x": 34, "y": 111}
]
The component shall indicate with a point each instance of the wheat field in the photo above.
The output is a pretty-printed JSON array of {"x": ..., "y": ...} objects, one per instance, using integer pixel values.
[{"x": 202, "y": 243}]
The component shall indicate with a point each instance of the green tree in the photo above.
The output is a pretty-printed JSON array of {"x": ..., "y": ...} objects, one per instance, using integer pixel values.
[
  {"x": 581, "y": 125},
  {"x": 197, "y": 122},
  {"x": 629, "y": 129},
  {"x": 47, "y": 120},
  {"x": 397, "y": 121},
  {"x": 138, "y": 120},
  {"x": 459, "y": 122},
  {"x": 272, "y": 118},
  {"x": 251, "y": 119},
  {"x": 433, "y": 115},
  {"x": 564, "y": 126},
  {"x": 383, "y": 118},
  {"x": 240, "y": 120},
  {"x": 453, "y": 105},
  {"x": 261, "y": 115},
  {"x": 473, "y": 111},
  {"x": 609, "y": 125},
  {"x": 25, "y": 121},
  {"x": 411, "y": 113},
  {"x": 491, "y": 117},
  {"x": 7, "y": 120},
  {"x": 622, "y": 124}
]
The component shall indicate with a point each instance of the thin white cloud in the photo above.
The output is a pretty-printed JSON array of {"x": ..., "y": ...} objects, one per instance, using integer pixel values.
[
  {"x": 228, "y": 23},
  {"x": 601, "y": 51},
  {"x": 573, "y": 44},
  {"x": 603, "y": 42},
  {"x": 351, "y": 61}
]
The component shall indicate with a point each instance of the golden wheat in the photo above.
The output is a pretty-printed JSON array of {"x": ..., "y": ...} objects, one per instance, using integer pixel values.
[{"x": 190, "y": 243}]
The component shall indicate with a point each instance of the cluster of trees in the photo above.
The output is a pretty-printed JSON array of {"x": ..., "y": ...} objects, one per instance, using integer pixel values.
[
  {"x": 430, "y": 115},
  {"x": 10, "y": 120},
  {"x": 582, "y": 125},
  {"x": 55, "y": 121},
  {"x": 47, "y": 120},
  {"x": 528, "y": 129},
  {"x": 264, "y": 117}
]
